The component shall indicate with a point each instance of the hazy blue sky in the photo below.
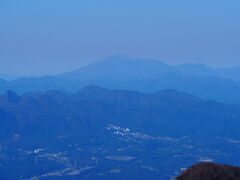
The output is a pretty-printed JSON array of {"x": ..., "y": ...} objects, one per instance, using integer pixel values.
[{"x": 52, "y": 36}]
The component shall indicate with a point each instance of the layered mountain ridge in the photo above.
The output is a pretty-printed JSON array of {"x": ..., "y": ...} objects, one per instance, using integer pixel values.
[
  {"x": 168, "y": 111},
  {"x": 145, "y": 75}
]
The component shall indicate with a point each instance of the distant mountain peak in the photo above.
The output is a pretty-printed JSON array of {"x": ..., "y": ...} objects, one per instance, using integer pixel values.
[
  {"x": 119, "y": 68},
  {"x": 120, "y": 58},
  {"x": 115, "y": 57}
]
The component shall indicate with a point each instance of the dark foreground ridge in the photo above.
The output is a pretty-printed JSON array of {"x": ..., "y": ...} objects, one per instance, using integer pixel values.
[{"x": 211, "y": 171}]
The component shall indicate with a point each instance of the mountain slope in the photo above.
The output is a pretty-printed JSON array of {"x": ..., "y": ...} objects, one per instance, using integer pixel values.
[
  {"x": 169, "y": 112},
  {"x": 210, "y": 171}
]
